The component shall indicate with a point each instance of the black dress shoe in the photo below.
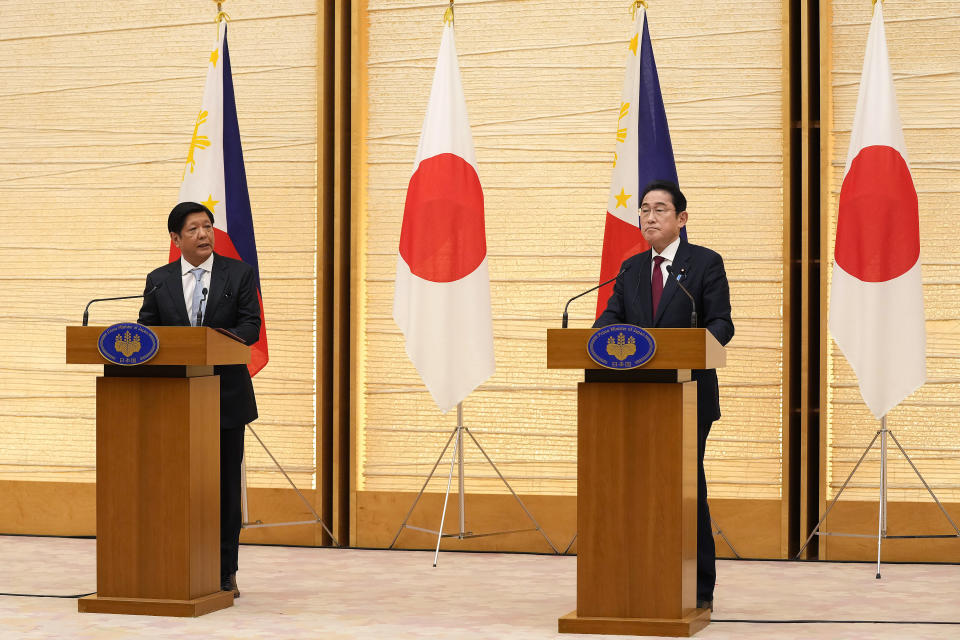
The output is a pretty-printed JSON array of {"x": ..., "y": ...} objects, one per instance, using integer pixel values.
[
  {"x": 705, "y": 604},
  {"x": 230, "y": 584}
]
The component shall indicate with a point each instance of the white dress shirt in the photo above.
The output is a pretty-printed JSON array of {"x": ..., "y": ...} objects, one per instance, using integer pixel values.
[
  {"x": 190, "y": 282},
  {"x": 669, "y": 253}
]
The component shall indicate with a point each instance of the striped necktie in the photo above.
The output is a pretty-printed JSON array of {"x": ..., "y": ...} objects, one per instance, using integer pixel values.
[
  {"x": 656, "y": 283},
  {"x": 197, "y": 295}
]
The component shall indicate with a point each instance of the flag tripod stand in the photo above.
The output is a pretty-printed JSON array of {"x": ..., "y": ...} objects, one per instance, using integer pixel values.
[
  {"x": 717, "y": 531},
  {"x": 456, "y": 460},
  {"x": 259, "y": 524},
  {"x": 882, "y": 534}
]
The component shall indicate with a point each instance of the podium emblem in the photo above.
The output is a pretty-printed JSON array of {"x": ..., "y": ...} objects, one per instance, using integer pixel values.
[
  {"x": 128, "y": 343},
  {"x": 621, "y": 346}
]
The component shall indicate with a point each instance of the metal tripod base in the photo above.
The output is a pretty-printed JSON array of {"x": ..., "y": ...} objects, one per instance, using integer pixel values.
[
  {"x": 882, "y": 534},
  {"x": 717, "y": 531},
  {"x": 456, "y": 459},
  {"x": 259, "y": 524}
]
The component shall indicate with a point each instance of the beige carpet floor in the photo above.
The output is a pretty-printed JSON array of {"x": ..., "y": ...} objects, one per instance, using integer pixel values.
[{"x": 397, "y": 595}]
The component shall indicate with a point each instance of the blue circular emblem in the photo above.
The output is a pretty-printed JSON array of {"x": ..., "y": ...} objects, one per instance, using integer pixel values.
[
  {"x": 128, "y": 343},
  {"x": 621, "y": 346}
]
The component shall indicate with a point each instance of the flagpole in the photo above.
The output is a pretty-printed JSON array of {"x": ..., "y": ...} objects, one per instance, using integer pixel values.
[
  {"x": 882, "y": 519},
  {"x": 460, "y": 486}
]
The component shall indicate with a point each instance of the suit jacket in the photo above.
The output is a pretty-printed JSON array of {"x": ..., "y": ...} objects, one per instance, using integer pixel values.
[
  {"x": 706, "y": 281},
  {"x": 231, "y": 304}
]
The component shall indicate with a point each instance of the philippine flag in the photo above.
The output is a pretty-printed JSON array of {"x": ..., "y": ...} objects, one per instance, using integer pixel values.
[
  {"x": 876, "y": 300},
  {"x": 643, "y": 153},
  {"x": 214, "y": 176},
  {"x": 442, "y": 296}
]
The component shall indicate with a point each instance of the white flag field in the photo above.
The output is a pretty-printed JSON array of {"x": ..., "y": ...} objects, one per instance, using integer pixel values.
[
  {"x": 442, "y": 293},
  {"x": 876, "y": 299}
]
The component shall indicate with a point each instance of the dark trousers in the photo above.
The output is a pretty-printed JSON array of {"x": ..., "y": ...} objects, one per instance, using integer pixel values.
[
  {"x": 231, "y": 516},
  {"x": 706, "y": 550}
]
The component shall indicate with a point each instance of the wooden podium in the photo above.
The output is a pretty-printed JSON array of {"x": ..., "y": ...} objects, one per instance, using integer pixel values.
[
  {"x": 637, "y": 485},
  {"x": 158, "y": 474}
]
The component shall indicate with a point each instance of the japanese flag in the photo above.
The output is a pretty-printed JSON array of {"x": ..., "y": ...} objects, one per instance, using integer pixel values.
[
  {"x": 442, "y": 294},
  {"x": 876, "y": 300}
]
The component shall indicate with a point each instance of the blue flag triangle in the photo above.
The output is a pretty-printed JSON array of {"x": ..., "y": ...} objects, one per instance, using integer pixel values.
[{"x": 654, "y": 148}]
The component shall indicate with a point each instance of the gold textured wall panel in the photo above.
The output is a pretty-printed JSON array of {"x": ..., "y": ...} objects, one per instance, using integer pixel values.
[
  {"x": 97, "y": 104},
  {"x": 542, "y": 83},
  {"x": 922, "y": 38}
]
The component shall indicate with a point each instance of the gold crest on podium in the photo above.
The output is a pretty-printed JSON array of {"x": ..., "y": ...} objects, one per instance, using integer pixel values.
[
  {"x": 621, "y": 347},
  {"x": 129, "y": 346}
]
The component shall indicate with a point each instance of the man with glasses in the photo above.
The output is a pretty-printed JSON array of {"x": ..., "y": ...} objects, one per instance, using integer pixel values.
[
  {"x": 646, "y": 294},
  {"x": 207, "y": 289}
]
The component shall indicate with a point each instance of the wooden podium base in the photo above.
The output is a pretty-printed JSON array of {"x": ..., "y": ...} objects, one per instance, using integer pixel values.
[
  {"x": 679, "y": 628},
  {"x": 153, "y": 607}
]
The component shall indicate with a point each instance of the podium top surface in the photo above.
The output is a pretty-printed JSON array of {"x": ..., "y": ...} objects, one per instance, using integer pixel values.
[
  {"x": 676, "y": 349},
  {"x": 194, "y": 346}
]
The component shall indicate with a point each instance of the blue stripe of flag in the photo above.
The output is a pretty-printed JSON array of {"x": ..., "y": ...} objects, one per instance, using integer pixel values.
[
  {"x": 239, "y": 214},
  {"x": 654, "y": 147}
]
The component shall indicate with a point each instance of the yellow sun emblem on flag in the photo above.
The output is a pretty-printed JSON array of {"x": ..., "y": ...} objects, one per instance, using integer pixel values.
[
  {"x": 196, "y": 142},
  {"x": 622, "y": 131}
]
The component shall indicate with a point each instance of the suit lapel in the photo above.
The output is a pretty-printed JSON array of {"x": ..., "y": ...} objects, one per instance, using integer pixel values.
[
  {"x": 218, "y": 282},
  {"x": 174, "y": 289},
  {"x": 643, "y": 303},
  {"x": 670, "y": 285}
]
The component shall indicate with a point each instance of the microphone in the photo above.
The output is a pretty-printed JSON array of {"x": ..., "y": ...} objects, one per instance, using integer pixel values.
[
  {"x": 563, "y": 325},
  {"x": 693, "y": 303},
  {"x": 200, "y": 308},
  {"x": 86, "y": 310}
]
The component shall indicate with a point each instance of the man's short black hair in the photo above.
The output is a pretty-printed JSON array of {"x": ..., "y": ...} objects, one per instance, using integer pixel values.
[
  {"x": 180, "y": 212},
  {"x": 679, "y": 201}
]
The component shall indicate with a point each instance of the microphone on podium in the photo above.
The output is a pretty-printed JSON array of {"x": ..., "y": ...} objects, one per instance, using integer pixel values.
[
  {"x": 86, "y": 310},
  {"x": 200, "y": 308},
  {"x": 563, "y": 325},
  {"x": 680, "y": 276}
]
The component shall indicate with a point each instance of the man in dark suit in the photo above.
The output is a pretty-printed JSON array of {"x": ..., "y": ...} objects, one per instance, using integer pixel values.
[
  {"x": 218, "y": 292},
  {"x": 647, "y": 295}
]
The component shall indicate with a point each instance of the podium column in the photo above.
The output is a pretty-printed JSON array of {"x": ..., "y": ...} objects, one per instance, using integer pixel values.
[
  {"x": 158, "y": 474},
  {"x": 637, "y": 486}
]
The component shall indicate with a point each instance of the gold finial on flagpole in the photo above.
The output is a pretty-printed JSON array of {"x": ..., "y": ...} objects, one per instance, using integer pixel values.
[
  {"x": 221, "y": 14},
  {"x": 448, "y": 14},
  {"x": 636, "y": 4}
]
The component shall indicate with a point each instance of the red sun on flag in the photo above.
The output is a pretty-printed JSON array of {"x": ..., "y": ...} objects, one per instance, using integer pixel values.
[
  {"x": 878, "y": 229},
  {"x": 442, "y": 238}
]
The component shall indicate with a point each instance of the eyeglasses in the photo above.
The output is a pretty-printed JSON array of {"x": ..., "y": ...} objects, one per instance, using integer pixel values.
[
  {"x": 659, "y": 211},
  {"x": 195, "y": 231}
]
